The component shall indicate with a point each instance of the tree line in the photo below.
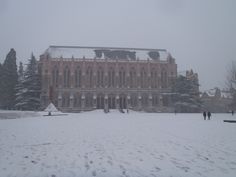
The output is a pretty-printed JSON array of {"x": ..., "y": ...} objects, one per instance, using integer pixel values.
[{"x": 19, "y": 88}]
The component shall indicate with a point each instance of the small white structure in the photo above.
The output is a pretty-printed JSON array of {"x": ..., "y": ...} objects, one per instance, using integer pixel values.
[{"x": 51, "y": 108}]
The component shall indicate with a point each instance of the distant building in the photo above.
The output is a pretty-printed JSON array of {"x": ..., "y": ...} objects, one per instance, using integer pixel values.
[
  {"x": 216, "y": 100},
  {"x": 87, "y": 78}
]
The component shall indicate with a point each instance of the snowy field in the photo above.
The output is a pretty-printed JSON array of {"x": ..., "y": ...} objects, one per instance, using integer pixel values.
[{"x": 117, "y": 145}]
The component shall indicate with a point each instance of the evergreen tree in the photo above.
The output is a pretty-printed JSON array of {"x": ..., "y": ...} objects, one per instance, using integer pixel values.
[
  {"x": 9, "y": 80},
  {"x": 32, "y": 86},
  {"x": 186, "y": 97},
  {"x": 20, "y": 88}
]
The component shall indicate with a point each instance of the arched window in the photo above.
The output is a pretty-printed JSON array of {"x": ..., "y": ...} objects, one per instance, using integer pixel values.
[
  {"x": 132, "y": 75},
  {"x": 122, "y": 77},
  {"x": 143, "y": 78},
  {"x": 100, "y": 77},
  {"x": 111, "y": 77},
  {"x": 89, "y": 100},
  {"x": 144, "y": 100},
  {"x": 78, "y": 77},
  {"x": 154, "y": 78},
  {"x": 163, "y": 78},
  {"x": 134, "y": 100},
  {"x": 66, "y": 77},
  {"x": 77, "y": 101},
  {"x": 65, "y": 100},
  {"x": 89, "y": 74},
  {"x": 155, "y": 100},
  {"x": 55, "y": 76}
]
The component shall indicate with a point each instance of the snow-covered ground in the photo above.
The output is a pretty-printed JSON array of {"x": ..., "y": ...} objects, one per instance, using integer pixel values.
[{"x": 115, "y": 144}]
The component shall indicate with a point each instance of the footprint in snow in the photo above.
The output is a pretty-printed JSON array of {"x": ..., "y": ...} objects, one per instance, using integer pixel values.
[
  {"x": 157, "y": 169},
  {"x": 34, "y": 162},
  {"x": 87, "y": 166},
  {"x": 186, "y": 169},
  {"x": 94, "y": 173},
  {"x": 141, "y": 160},
  {"x": 110, "y": 162}
]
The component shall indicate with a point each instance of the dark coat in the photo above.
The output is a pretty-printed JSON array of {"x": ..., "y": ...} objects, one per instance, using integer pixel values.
[
  {"x": 209, "y": 114},
  {"x": 204, "y": 114}
]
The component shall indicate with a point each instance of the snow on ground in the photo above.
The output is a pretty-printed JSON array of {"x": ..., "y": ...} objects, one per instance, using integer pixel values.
[{"x": 116, "y": 144}]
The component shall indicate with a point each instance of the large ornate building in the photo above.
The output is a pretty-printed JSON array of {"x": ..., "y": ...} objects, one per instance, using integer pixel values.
[{"x": 87, "y": 78}]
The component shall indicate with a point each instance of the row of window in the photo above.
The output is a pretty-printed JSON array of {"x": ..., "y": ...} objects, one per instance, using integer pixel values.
[
  {"x": 100, "y": 78},
  {"x": 100, "y": 102}
]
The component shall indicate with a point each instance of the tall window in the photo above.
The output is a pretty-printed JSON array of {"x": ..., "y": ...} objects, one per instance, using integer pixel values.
[
  {"x": 155, "y": 100},
  {"x": 55, "y": 76},
  {"x": 111, "y": 78},
  {"x": 144, "y": 100},
  {"x": 66, "y": 77},
  {"x": 134, "y": 100},
  {"x": 89, "y": 100},
  {"x": 132, "y": 74},
  {"x": 89, "y": 74},
  {"x": 143, "y": 78},
  {"x": 78, "y": 77},
  {"x": 154, "y": 78},
  {"x": 77, "y": 101},
  {"x": 122, "y": 77},
  {"x": 65, "y": 100},
  {"x": 163, "y": 78},
  {"x": 100, "y": 77}
]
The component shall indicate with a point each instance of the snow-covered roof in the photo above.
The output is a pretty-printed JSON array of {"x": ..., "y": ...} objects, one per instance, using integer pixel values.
[{"x": 106, "y": 53}]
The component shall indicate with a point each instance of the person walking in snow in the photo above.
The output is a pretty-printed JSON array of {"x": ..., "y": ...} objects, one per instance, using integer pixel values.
[
  {"x": 209, "y": 115},
  {"x": 204, "y": 115}
]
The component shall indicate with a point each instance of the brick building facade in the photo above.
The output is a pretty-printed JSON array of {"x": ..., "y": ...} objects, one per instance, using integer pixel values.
[{"x": 86, "y": 78}]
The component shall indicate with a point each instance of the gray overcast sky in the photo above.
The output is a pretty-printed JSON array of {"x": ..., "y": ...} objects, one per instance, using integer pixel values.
[{"x": 200, "y": 34}]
